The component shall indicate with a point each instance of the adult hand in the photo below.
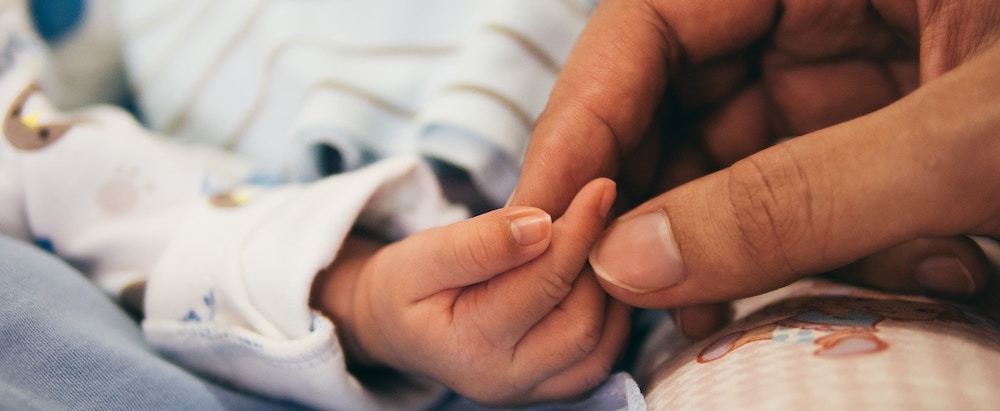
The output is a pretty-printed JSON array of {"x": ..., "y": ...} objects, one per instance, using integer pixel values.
[{"x": 738, "y": 76}]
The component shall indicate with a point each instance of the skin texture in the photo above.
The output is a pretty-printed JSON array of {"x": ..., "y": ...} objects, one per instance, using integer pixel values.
[
  {"x": 501, "y": 318},
  {"x": 689, "y": 106}
]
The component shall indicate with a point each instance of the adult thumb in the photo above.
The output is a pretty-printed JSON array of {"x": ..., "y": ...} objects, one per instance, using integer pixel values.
[{"x": 913, "y": 169}]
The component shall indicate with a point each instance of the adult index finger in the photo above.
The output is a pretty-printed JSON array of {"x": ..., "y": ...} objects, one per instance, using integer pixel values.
[{"x": 613, "y": 81}]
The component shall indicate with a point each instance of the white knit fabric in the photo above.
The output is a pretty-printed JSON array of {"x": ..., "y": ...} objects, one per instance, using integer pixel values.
[{"x": 228, "y": 263}]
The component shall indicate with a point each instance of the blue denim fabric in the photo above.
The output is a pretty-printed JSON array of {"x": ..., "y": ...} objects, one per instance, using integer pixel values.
[{"x": 65, "y": 345}]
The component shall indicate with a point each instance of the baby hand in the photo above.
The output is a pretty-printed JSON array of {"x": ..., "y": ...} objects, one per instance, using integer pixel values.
[{"x": 499, "y": 308}]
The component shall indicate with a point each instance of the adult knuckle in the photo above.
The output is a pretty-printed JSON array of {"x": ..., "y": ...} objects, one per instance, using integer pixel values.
[{"x": 774, "y": 208}]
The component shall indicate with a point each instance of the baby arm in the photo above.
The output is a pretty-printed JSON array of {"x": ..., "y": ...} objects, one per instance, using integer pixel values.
[{"x": 499, "y": 307}]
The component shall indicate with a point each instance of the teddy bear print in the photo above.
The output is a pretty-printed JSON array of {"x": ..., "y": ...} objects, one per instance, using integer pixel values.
[
  {"x": 122, "y": 191},
  {"x": 229, "y": 199},
  {"x": 22, "y": 128},
  {"x": 836, "y": 325}
]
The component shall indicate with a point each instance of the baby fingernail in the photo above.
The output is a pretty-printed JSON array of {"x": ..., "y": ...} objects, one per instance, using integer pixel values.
[
  {"x": 946, "y": 275},
  {"x": 531, "y": 228},
  {"x": 639, "y": 254}
]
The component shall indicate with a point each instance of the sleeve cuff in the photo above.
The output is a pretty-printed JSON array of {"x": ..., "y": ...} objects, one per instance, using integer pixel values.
[{"x": 229, "y": 298}]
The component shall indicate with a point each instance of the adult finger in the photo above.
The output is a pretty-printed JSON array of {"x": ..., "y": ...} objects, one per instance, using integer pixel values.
[
  {"x": 612, "y": 82},
  {"x": 913, "y": 169},
  {"x": 989, "y": 299},
  {"x": 700, "y": 321},
  {"x": 953, "y": 267},
  {"x": 949, "y": 267}
]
